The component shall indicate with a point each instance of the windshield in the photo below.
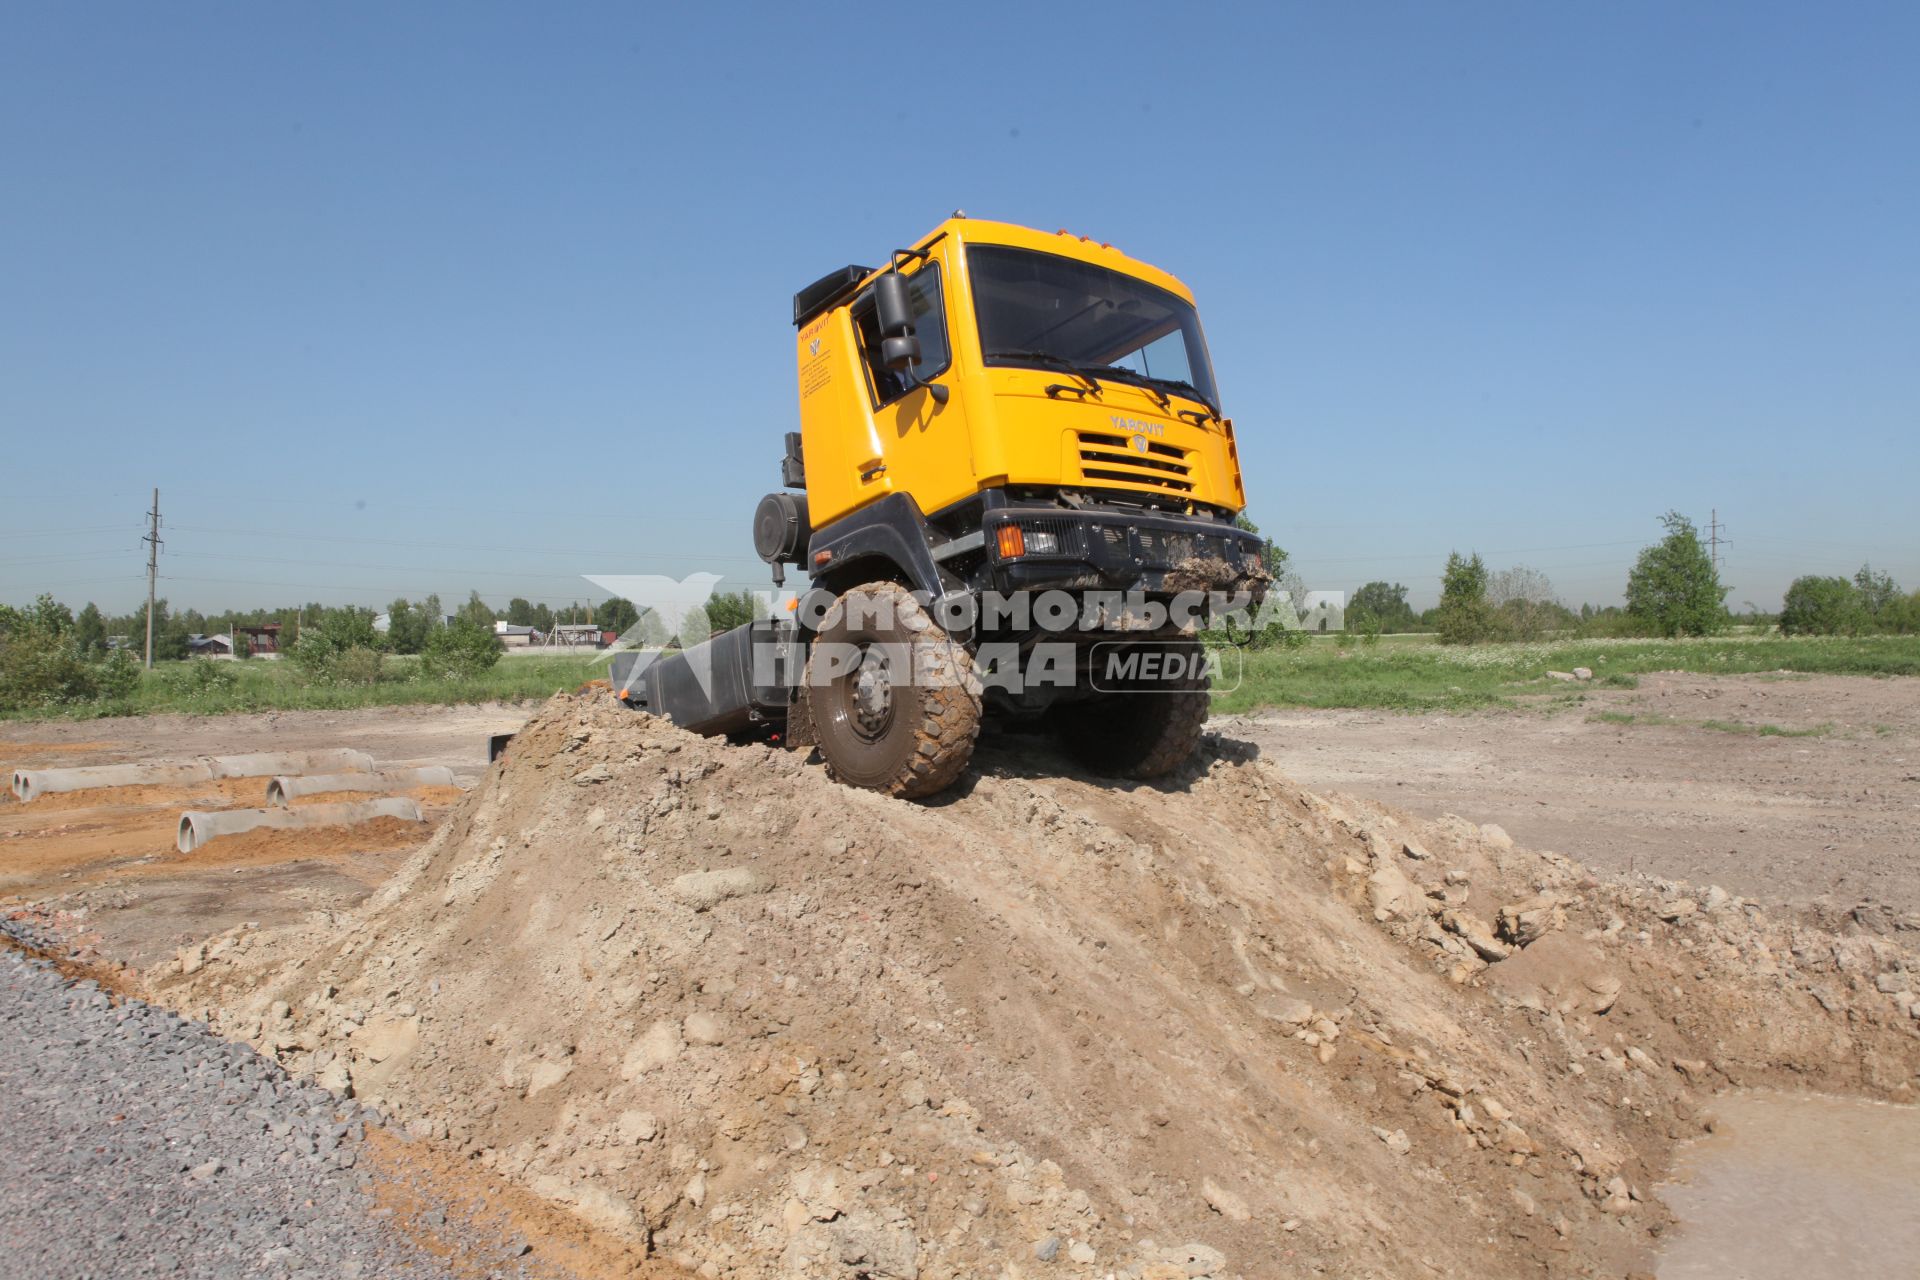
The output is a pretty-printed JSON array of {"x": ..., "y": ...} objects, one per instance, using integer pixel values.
[{"x": 1042, "y": 310}]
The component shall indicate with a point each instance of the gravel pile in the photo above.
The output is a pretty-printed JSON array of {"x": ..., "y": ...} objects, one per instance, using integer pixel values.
[{"x": 139, "y": 1144}]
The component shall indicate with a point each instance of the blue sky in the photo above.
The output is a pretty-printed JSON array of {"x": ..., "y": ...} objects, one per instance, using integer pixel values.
[{"x": 396, "y": 299}]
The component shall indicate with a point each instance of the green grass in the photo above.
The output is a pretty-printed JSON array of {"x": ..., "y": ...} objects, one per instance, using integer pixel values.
[
  {"x": 1433, "y": 677},
  {"x": 1717, "y": 726},
  {"x": 1403, "y": 673},
  {"x": 264, "y": 685}
]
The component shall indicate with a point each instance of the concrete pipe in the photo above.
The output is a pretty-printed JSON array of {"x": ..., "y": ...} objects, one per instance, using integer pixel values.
[
  {"x": 283, "y": 790},
  {"x": 31, "y": 784},
  {"x": 264, "y": 764},
  {"x": 197, "y": 827}
]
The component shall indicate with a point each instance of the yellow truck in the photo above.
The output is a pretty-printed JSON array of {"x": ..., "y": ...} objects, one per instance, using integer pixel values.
[{"x": 1012, "y": 467}]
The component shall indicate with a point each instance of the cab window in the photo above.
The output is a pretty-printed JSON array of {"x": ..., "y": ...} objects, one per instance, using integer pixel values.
[{"x": 929, "y": 325}]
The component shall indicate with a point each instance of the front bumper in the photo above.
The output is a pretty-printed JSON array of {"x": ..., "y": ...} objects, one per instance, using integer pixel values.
[{"x": 1123, "y": 550}]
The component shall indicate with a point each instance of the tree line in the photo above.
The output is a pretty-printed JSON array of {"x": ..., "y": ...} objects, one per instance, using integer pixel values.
[
  {"x": 52, "y": 656},
  {"x": 1672, "y": 589},
  {"x": 409, "y": 623}
]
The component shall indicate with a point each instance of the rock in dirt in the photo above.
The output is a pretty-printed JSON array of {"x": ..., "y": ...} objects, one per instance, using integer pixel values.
[
  {"x": 704, "y": 890},
  {"x": 1528, "y": 921},
  {"x": 1226, "y": 1203},
  {"x": 1397, "y": 1141},
  {"x": 1392, "y": 895},
  {"x": 1195, "y": 1261},
  {"x": 1476, "y": 933}
]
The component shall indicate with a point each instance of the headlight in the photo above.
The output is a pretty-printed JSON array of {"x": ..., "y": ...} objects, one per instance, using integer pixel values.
[{"x": 1042, "y": 543}]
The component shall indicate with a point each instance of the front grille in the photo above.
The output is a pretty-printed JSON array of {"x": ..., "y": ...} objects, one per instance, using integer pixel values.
[{"x": 1109, "y": 456}]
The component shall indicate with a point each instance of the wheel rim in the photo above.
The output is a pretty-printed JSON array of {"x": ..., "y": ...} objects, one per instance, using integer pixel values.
[
  {"x": 862, "y": 731},
  {"x": 870, "y": 696}
]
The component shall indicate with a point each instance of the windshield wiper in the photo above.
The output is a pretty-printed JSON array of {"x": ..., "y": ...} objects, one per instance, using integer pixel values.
[
  {"x": 1160, "y": 387},
  {"x": 1134, "y": 378},
  {"x": 1048, "y": 360}
]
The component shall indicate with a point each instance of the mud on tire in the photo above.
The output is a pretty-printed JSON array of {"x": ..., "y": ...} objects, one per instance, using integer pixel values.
[
  {"x": 1138, "y": 732},
  {"x": 894, "y": 703}
]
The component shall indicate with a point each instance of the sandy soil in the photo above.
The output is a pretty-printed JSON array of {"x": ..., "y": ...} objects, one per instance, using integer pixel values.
[
  {"x": 726, "y": 1011},
  {"x": 1831, "y": 818},
  {"x": 109, "y": 855},
  {"x": 732, "y": 1013}
]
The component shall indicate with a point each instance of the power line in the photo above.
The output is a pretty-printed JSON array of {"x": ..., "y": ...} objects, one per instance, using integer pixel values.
[
  {"x": 12, "y": 562},
  {"x": 574, "y": 552},
  {"x": 63, "y": 532},
  {"x": 95, "y": 582},
  {"x": 420, "y": 568},
  {"x": 1497, "y": 551},
  {"x": 358, "y": 588}
]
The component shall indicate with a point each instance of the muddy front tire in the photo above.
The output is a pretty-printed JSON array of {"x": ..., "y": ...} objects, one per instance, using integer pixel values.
[
  {"x": 894, "y": 702},
  {"x": 1140, "y": 731}
]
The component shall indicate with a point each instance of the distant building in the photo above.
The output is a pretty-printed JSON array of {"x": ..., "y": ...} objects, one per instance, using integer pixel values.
[
  {"x": 583, "y": 634},
  {"x": 262, "y": 641},
  {"x": 513, "y": 637},
  {"x": 199, "y": 646}
]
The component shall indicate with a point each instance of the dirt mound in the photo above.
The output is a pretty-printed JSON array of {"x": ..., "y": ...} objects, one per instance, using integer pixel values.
[{"x": 723, "y": 1007}]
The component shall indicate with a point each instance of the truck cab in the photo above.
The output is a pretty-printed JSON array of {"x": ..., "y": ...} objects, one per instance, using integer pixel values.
[{"x": 1051, "y": 372}]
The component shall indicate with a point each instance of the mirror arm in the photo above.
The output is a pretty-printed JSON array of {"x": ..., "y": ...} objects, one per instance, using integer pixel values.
[{"x": 940, "y": 391}]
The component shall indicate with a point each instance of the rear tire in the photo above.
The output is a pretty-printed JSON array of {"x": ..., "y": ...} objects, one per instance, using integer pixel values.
[
  {"x": 894, "y": 701},
  {"x": 1139, "y": 732}
]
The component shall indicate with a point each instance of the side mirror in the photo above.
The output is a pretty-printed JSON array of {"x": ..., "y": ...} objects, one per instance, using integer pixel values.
[
  {"x": 900, "y": 354},
  {"x": 893, "y": 308}
]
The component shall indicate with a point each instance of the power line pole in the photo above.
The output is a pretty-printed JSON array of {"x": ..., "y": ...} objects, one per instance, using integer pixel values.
[
  {"x": 153, "y": 568},
  {"x": 1714, "y": 539}
]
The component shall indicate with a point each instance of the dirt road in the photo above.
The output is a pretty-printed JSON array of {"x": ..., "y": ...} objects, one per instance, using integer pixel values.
[{"x": 1793, "y": 789}]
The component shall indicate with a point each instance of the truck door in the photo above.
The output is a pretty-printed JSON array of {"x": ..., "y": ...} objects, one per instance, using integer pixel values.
[{"x": 924, "y": 448}]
